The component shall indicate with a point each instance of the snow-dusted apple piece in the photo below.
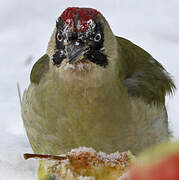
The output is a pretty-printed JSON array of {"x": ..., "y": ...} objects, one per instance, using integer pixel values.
[{"x": 83, "y": 164}]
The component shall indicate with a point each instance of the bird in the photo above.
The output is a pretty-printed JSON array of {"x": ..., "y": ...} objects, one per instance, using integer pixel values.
[{"x": 94, "y": 89}]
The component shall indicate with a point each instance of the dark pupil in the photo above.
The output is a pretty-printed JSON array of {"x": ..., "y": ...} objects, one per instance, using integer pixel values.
[{"x": 97, "y": 38}]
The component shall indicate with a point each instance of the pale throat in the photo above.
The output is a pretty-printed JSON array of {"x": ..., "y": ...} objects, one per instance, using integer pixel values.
[
  {"x": 79, "y": 66},
  {"x": 84, "y": 73}
]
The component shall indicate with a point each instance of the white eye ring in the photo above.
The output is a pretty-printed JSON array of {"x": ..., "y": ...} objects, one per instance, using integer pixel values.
[
  {"x": 97, "y": 38},
  {"x": 59, "y": 37}
]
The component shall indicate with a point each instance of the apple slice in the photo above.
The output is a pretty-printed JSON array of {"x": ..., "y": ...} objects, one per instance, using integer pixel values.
[{"x": 83, "y": 164}]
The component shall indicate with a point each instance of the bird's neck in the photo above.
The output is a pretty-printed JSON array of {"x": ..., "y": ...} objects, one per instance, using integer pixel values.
[{"x": 84, "y": 75}]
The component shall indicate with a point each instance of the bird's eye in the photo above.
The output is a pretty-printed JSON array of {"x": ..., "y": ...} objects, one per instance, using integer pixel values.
[
  {"x": 59, "y": 37},
  {"x": 97, "y": 38}
]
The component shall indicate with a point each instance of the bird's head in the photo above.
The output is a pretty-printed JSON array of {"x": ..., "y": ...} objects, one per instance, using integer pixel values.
[{"x": 81, "y": 40}]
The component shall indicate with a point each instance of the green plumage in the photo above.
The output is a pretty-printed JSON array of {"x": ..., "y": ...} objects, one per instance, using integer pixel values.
[
  {"x": 144, "y": 76},
  {"x": 39, "y": 69},
  {"x": 117, "y": 108}
]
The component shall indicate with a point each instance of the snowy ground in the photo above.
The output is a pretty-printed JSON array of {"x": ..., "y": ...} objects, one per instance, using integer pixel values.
[{"x": 25, "y": 28}]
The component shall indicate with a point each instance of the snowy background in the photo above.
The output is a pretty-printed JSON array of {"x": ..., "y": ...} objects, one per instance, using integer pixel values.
[{"x": 25, "y": 28}]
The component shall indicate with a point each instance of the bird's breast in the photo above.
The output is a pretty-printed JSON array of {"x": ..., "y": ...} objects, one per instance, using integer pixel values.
[{"x": 69, "y": 115}]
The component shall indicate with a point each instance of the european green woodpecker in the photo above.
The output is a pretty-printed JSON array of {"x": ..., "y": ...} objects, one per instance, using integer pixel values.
[{"x": 94, "y": 89}]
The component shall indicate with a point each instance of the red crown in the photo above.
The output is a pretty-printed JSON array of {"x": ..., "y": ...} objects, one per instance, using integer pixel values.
[{"x": 70, "y": 15}]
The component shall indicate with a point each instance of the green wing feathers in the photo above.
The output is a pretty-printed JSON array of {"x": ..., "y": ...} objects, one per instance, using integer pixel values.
[
  {"x": 39, "y": 69},
  {"x": 144, "y": 76}
]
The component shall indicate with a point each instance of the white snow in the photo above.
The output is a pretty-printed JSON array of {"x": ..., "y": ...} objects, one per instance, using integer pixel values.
[
  {"x": 25, "y": 28},
  {"x": 80, "y": 150},
  {"x": 85, "y": 178}
]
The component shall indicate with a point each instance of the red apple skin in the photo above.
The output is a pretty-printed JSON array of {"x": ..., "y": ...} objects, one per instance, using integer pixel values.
[{"x": 166, "y": 169}]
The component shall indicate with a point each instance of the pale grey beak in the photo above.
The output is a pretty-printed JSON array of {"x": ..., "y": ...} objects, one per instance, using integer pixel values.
[{"x": 75, "y": 51}]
